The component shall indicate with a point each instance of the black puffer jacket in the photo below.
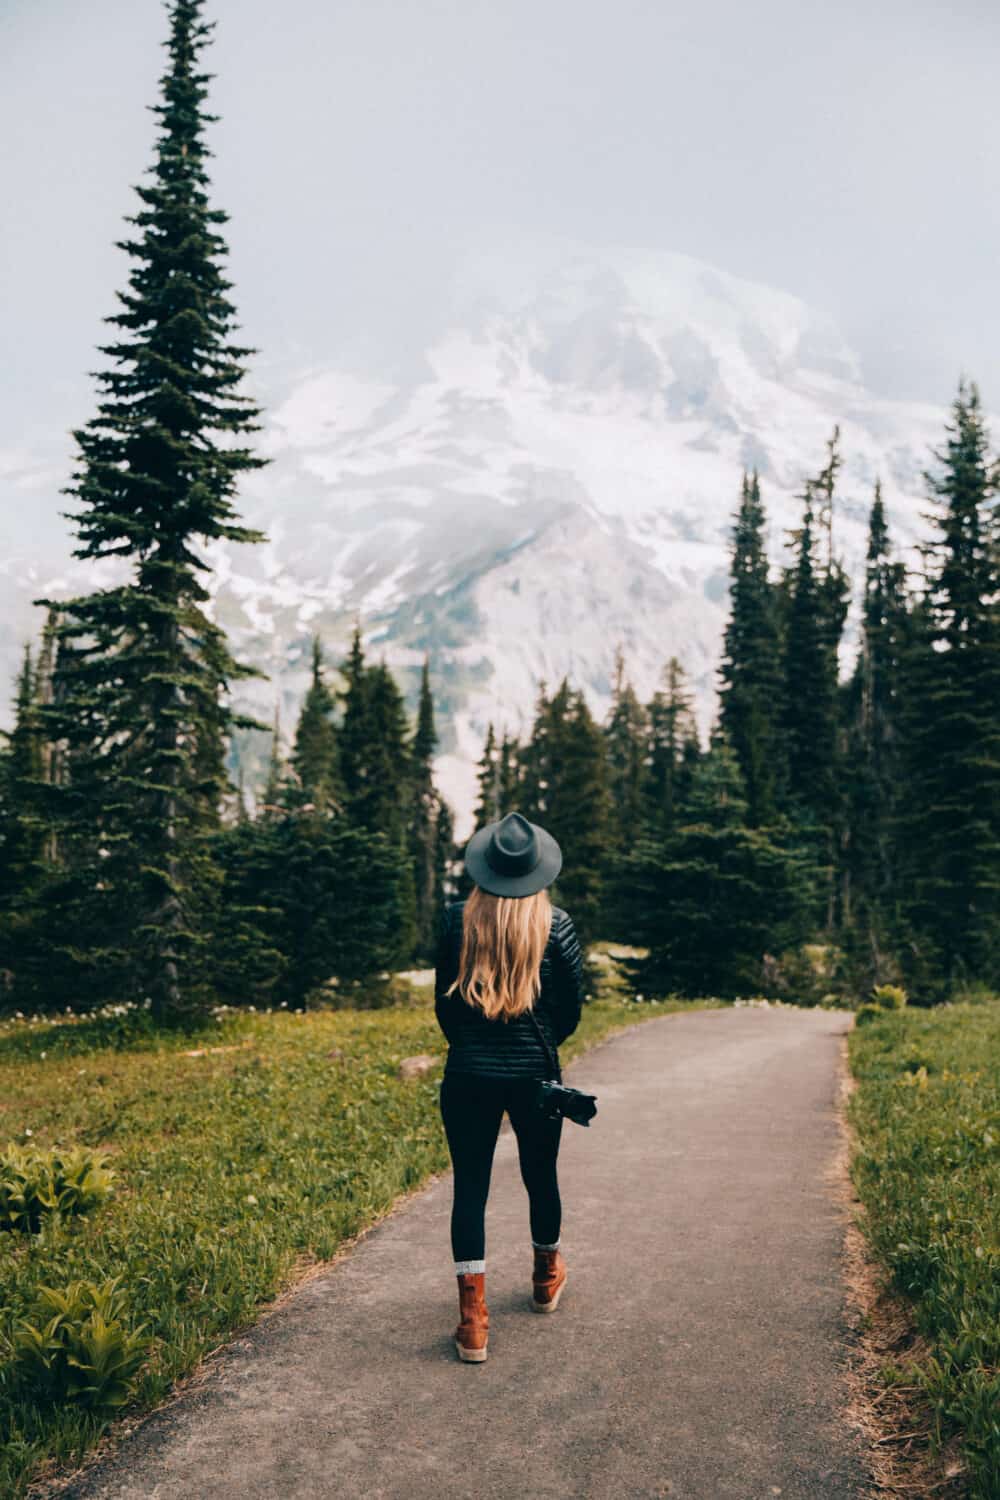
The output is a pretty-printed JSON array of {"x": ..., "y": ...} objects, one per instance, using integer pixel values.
[{"x": 509, "y": 1049}]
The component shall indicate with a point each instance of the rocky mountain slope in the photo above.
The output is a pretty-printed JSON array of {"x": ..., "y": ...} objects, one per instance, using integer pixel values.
[{"x": 555, "y": 478}]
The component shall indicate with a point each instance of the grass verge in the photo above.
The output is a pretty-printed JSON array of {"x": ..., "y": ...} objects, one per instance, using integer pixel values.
[
  {"x": 926, "y": 1168},
  {"x": 242, "y": 1157}
]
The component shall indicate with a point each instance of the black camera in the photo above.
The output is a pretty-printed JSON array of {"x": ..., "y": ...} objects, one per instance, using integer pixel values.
[{"x": 555, "y": 1101}]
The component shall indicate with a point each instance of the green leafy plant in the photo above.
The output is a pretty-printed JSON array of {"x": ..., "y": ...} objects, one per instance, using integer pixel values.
[
  {"x": 866, "y": 1014},
  {"x": 889, "y": 996},
  {"x": 34, "y": 1183},
  {"x": 76, "y": 1347}
]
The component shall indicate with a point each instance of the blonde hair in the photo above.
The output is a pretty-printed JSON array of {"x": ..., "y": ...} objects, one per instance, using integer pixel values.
[{"x": 503, "y": 941}]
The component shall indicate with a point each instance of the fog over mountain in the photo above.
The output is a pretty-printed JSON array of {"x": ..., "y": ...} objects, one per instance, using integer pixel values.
[
  {"x": 553, "y": 477},
  {"x": 498, "y": 437}
]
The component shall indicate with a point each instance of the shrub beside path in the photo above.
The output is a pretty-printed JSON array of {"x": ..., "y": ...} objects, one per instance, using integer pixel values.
[{"x": 698, "y": 1352}]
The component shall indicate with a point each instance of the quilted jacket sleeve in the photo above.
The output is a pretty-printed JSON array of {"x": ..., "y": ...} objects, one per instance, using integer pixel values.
[
  {"x": 567, "y": 976},
  {"x": 444, "y": 972}
]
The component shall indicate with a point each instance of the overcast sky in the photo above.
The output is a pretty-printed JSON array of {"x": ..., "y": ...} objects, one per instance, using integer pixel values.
[{"x": 849, "y": 154}]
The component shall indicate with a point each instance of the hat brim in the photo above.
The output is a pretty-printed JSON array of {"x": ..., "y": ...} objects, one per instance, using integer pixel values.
[{"x": 533, "y": 880}]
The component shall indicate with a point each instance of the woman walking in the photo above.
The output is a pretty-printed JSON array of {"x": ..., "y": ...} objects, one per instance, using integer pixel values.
[{"x": 508, "y": 967}]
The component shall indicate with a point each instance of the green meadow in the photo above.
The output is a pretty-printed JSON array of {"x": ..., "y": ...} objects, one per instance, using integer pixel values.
[
  {"x": 927, "y": 1169},
  {"x": 240, "y": 1155}
]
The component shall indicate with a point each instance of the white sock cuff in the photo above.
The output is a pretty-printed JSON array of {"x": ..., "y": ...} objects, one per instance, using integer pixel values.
[
  {"x": 537, "y": 1246},
  {"x": 469, "y": 1267}
]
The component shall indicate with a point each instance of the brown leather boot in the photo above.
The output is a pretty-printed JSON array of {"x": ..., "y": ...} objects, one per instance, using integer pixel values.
[
  {"x": 471, "y": 1333},
  {"x": 548, "y": 1280}
]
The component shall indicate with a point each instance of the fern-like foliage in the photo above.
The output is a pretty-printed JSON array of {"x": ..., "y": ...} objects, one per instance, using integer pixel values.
[
  {"x": 35, "y": 1183},
  {"x": 76, "y": 1347}
]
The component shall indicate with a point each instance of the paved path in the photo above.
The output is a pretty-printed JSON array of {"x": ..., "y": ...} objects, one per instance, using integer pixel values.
[{"x": 696, "y": 1353}]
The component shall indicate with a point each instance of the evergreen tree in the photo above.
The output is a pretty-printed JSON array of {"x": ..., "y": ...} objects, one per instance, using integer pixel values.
[
  {"x": 52, "y": 768},
  {"x": 538, "y": 758},
  {"x": 444, "y": 861},
  {"x": 315, "y": 756},
  {"x": 716, "y": 894},
  {"x": 341, "y": 901},
  {"x": 384, "y": 801},
  {"x": 581, "y": 811},
  {"x": 355, "y": 729},
  {"x": 815, "y": 596},
  {"x": 750, "y": 691},
  {"x": 834, "y": 596},
  {"x": 306, "y": 900},
  {"x": 626, "y": 740},
  {"x": 566, "y": 789},
  {"x": 873, "y": 770},
  {"x": 250, "y": 958},
  {"x": 425, "y": 737},
  {"x": 950, "y": 827},
  {"x": 277, "y": 799},
  {"x": 425, "y": 811},
  {"x": 376, "y": 769},
  {"x": 144, "y": 674},
  {"x": 509, "y": 777},
  {"x": 488, "y": 782},
  {"x": 645, "y": 755},
  {"x": 498, "y": 787},
  {"x": 823, "y": 491},
  {"x": 809, "y": 721},
  {"x": 21, "y": 771},
  {"x": 36, "y": 964},
  {"x": 22, "y": 831},
  {"x": 673, "y": 750}
]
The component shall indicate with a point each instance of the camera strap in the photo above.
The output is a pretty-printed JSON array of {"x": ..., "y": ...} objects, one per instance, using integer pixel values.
[{"x": 549, "y": 1054}]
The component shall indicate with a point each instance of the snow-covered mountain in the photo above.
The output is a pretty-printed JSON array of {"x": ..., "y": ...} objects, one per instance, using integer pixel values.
[{"x": 556, "y": 478}]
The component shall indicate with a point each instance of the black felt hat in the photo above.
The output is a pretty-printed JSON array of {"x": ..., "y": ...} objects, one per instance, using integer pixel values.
[{"x": 513, "y": 857}]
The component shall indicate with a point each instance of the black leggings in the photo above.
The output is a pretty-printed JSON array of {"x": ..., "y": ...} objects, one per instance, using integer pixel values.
[{"x": 472, "y": 1109}]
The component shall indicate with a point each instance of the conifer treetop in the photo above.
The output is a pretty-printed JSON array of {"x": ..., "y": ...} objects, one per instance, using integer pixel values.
[
  {"x": 425, "y": 737},
  {"x": 154, "y": 475}
]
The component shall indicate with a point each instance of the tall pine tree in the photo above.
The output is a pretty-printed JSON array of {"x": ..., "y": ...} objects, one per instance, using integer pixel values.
[
  {"x": 384, "y": 802},
  {"x": 809, "y": 720},
  {"x": 814, "y": 598},
  {"x": 145, "y": 674},
  {"x": 509, "y": 775},
  {"x": 626, "y": 740},
  {"x": 566, "y": 789},
  {"x": 673, "y": 750},
  {"x": 22, "y": 826},
  {"x": 277, "y": 797},
  {"x": 444, "y": 861},
  {"x": 873, "y": 768},
  {"x": 425, "y": 809},
  {"x": 355, "y": 728},
  {"x": 950, "y": 827},
  {"x": 488, "y": 782},
  {"x": 315, "y": 755},
  {"x": 750, "y": 691}
]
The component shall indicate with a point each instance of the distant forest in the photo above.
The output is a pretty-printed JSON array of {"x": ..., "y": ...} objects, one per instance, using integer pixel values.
[{"x": 833, "y": 834}]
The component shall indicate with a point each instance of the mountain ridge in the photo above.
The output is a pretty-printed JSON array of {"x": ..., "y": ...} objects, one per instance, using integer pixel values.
[{"x": 556, "y": 478}]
